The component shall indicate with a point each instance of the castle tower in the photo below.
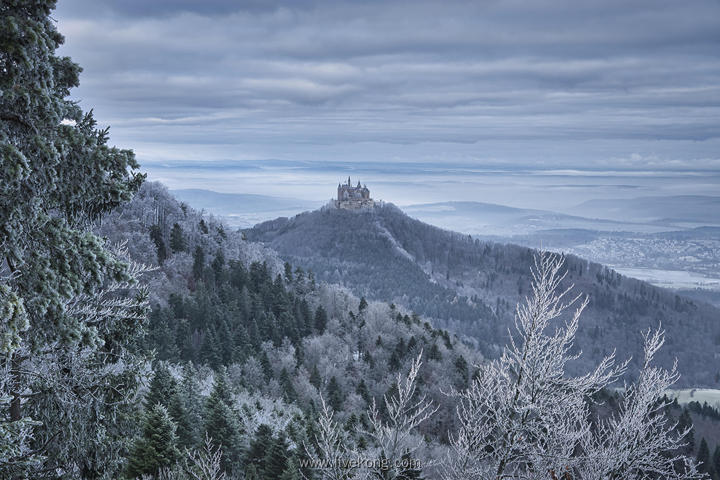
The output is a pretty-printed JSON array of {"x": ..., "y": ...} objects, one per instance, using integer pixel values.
[{"x": 353, "y": 198}]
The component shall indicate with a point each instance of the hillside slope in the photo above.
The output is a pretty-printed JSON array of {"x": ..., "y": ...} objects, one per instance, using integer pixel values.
[
  {"x": 226, "y": 308},
  {"x": 471, "y": 287}
]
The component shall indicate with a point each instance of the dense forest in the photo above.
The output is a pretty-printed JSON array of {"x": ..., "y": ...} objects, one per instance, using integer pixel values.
[
  {"x": 471, "y": 287},
  {"x": 276, "y": 339},
  {"x": 143, "y": 339}
]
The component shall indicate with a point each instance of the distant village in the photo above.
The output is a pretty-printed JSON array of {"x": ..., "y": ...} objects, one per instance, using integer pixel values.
[{"x": 353, "y": 198}]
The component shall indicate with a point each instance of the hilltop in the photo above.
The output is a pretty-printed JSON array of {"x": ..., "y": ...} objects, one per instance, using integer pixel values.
[{"x": 471, "y": 286}]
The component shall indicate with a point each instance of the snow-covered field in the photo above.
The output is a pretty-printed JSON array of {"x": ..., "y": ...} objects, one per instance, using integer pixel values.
[
  {"x": 676, "y": 279},
  {"x": 709, "y": 395}
]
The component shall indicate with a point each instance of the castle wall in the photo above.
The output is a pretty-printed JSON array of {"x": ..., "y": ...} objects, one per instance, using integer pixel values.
[{"x": 352, "y": 198}]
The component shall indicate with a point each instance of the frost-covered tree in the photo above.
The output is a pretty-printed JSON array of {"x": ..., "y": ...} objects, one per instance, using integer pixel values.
[
  {"x": 640, "y": 441},
  {"x": 395, "y": 436},
  {"x": 205, "y": 464},
  {"x": 15, "y": 435},
  {"x": 524, "y": 417},
  {"x": 68, "y": 344},
  {"x": 331, "y": 448}
]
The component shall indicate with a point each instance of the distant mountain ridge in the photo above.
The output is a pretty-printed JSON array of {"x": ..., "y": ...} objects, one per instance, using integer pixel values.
[
  {"x": 472, "y": 287},
  {"x": 243, "y": 209},
  {"x": 478, "y": 218},
  {"x": 693, "y": 210}
]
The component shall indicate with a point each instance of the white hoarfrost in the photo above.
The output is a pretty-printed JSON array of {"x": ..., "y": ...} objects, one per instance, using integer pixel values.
[{"x": 523, "y": 417}]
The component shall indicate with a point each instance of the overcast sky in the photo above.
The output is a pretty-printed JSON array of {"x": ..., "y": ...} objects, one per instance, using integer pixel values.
[{"x": 208, "y": 92}]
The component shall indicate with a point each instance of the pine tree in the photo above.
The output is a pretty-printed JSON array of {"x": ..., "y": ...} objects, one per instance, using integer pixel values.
[
  {"x": 304, "y": 318},
  {"x": 221, "y": 423},
  {"x": 412, "y": 344},
  {"x": 259, "y": 446},
  {"x": 251, "y": 473},
  {"x": 288, "y": 389},
  {"x": 193, "y": 403},
  {"x": 266, "y": 366},
  {"x": 288, "y": 273},
  {"x": 434, "y": 353},
  {"x": 335, "y": 395},
  {"x": 320, "y": 320},
  {"x": 716, "y": 461},
  {"x": 203, "y": 226},
  {"x": 276, "y": 458},
  {"x": 241, "y": 348},
  {"x": 292, "y": 471},
  {"x": 54, "y": 267},
  {"x": 218, "y": 265},
  {"x": 198, "y": 263},
  {"x": 315, "y": 379},
  {"x": 685, "y": 422},
  {"x": 461, "y": 368},
  {"x": 311, "y": 430},
  {"x": 363, "y": 305},
  {"x": 184, "y": 341},
  {"x": 703, "y": 455},
  {"x": 162, "y": 334},
  {"x": 299, "y": 276},
  {"x": 394, "y": 362},
  {"x": 156, "y": 448},
  {"x": 210, "y": 349},
  {"x": 177, "y": 411},
  {"x": 226, "y": 341},
  {"x": 177, "y": 239},
  {"x": 162, "y": 388},
  {"x": 362, "y": 390},
  {"x": 157, "y": 237}
]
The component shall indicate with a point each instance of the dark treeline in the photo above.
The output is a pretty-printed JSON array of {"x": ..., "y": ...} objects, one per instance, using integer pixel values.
[{"x": 231, "y": 311}]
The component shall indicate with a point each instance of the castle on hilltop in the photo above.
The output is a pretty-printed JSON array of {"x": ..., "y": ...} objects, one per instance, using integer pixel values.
[{"x": 351, "y": 198}]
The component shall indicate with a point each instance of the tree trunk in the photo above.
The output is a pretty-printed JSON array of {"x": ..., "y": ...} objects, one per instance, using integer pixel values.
[{"x": 15, "y": 408}]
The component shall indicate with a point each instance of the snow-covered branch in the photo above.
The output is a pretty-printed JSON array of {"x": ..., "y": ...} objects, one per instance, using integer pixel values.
[
  {"x": 524, "y": 417},
  {"x": 639, "y": 442},
  {"x": 396, "y": 437},
  {"x": 331, "y": 451}
]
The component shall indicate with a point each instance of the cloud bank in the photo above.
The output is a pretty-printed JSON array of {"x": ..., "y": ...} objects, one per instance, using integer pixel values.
[{"x": 546, "y": 84}]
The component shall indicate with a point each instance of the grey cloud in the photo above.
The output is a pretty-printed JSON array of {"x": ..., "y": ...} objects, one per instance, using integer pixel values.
[
  {"x": 164, "y": 8},
  {"x": 492, "y": 79}
]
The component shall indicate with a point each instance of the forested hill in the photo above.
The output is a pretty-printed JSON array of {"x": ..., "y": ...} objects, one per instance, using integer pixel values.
[
  {"x": 247, "y": 345},
  {"x": 471, "y": 287}
]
